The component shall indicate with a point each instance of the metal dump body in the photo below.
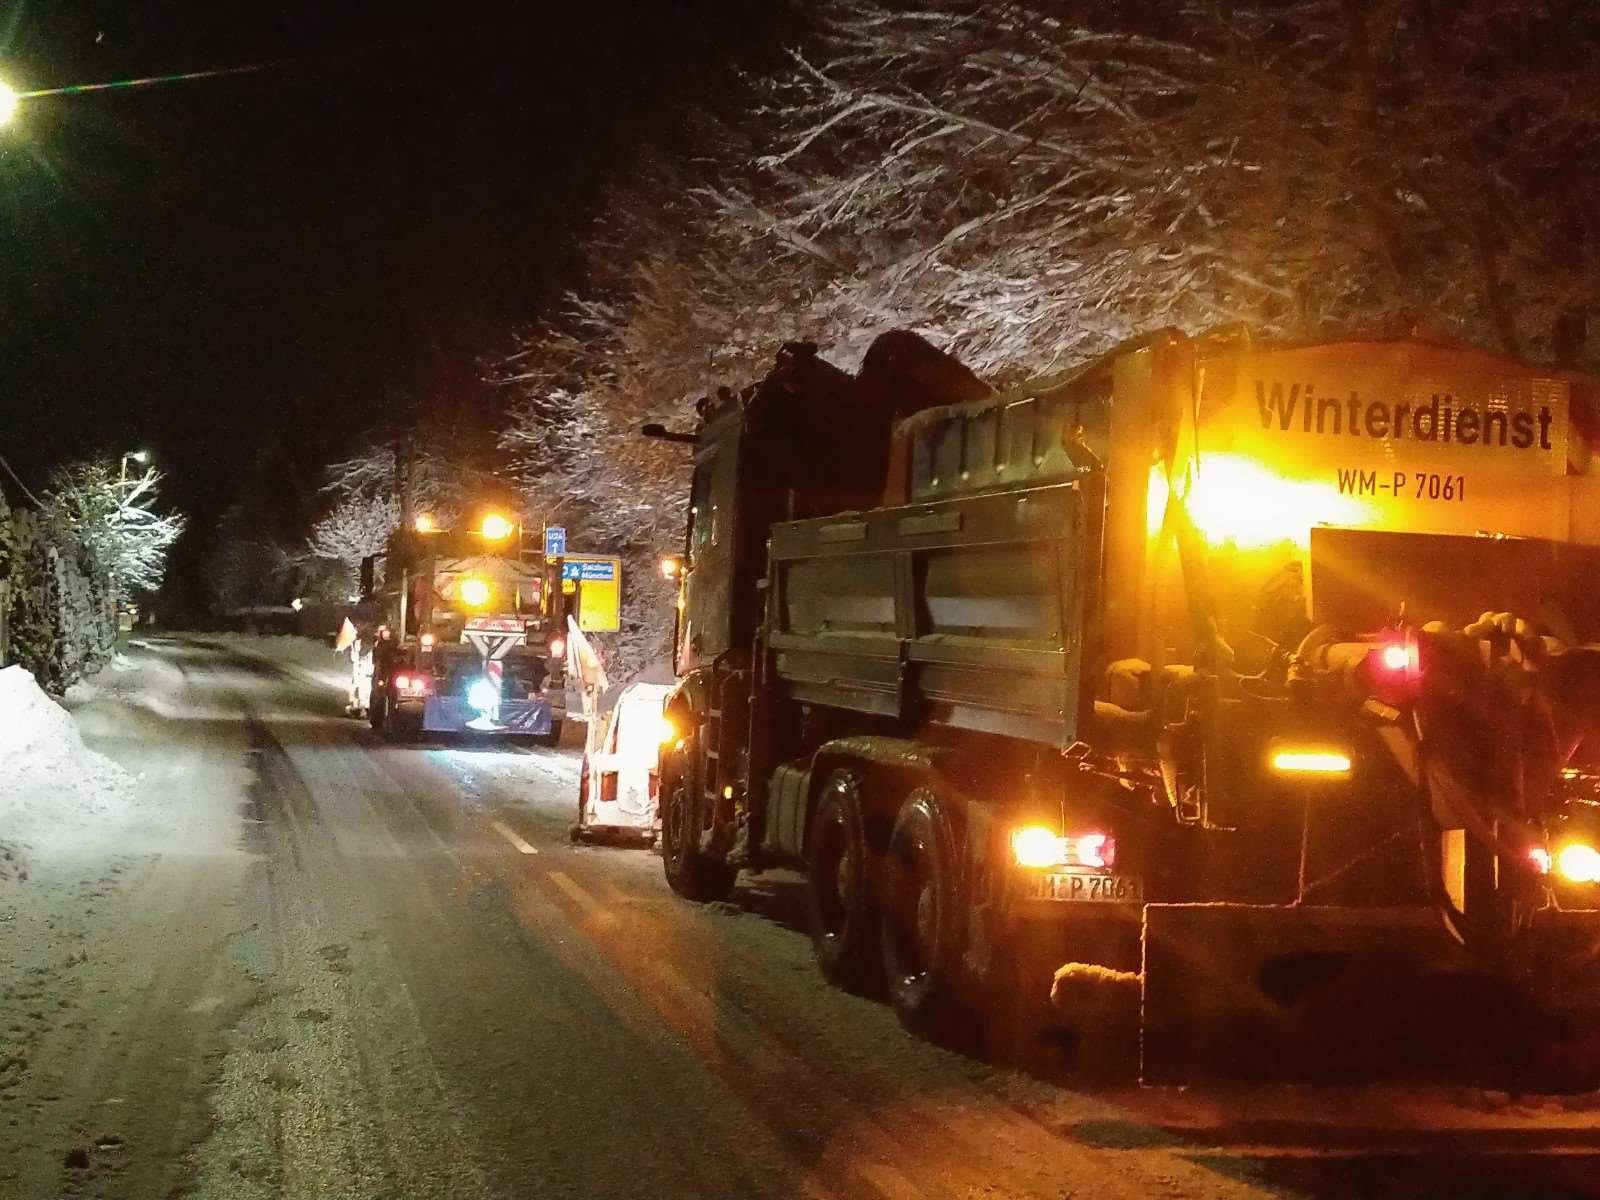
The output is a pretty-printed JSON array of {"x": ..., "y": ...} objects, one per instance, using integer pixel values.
[{"x": 964, "y": 613}]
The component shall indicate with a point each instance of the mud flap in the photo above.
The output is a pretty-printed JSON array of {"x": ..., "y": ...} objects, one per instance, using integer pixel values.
[{"x": 1307, "y": 994}]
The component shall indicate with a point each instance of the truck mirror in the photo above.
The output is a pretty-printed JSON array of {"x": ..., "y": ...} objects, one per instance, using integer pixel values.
[{"x": 368, "y": 572}]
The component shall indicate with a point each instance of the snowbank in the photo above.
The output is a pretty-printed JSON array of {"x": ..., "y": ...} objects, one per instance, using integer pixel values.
[{"x": 55, "y": 792}]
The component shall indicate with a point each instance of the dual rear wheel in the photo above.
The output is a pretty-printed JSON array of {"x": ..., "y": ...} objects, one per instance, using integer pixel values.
[{"x": 889, "y": 906}]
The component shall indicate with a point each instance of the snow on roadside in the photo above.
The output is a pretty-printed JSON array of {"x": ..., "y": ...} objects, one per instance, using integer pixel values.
[{"x": 55, "y": 793}]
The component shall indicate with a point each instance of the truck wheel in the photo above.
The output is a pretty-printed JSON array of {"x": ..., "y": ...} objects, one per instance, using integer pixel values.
[
  {"x": 398, "y": 728},
  {"x": 691, "y": 873},
  {"x": 922, "y": 919},
  {"x": 840, "y": 876}
]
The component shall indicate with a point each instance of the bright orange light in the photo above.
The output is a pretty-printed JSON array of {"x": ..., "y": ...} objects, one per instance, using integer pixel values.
[
  {"x": 1298, "y": 760},
  {"x": 1037, "y": 846},
  {"x": 670, "y": 567},
  {"x": 425, "y": 523},
  {"x": 668, "y": 732},
  {"x": 1578, "y": 863},
  {"x": 1235, "y": 500},
  {"x": 1041, "y": 847},
  {"x": 495, "y": 527},
  {"x": 474, "y": 593}
]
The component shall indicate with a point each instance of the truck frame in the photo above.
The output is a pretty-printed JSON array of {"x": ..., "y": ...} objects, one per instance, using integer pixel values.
[{"x": 1130, "y": 689}]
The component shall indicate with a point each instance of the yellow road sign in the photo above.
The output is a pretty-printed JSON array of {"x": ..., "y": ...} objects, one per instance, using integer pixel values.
[{"x": 598, "y": 581}]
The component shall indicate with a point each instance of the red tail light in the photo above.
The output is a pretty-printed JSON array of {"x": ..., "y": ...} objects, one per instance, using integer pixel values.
[
  {"x": 1395, "y": 666},
  {"x": 1394, "y": 657}
]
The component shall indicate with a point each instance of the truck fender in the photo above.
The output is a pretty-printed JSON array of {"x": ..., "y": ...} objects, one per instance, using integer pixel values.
[
  {"x": 889, "y": 768},
  {"x": 688, "y": 697}
]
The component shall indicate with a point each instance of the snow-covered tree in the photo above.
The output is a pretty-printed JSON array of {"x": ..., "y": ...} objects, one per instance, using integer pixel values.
[
  {"x": 1029, "y": 182},
  {"x": 116, "y": 517},
  {"x": 359, "y": 524},
  {"x": 243, "y": 568},
  {"x": 1032, "y": 181},
  {"x": 366, "y": 489}
]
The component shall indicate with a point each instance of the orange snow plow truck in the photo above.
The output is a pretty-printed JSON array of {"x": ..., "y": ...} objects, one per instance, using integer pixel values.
[{"x": 1220, "y": 704}]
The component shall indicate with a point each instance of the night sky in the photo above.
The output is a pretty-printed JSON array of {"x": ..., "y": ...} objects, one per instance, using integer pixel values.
[{"x": 240, "y": 273}]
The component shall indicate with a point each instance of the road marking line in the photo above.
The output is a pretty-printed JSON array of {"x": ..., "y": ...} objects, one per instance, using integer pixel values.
[
  {"x": 510, "y": 835},
  {"x": 888, "y": 1181},
  {"x": 572, "y": 888}
]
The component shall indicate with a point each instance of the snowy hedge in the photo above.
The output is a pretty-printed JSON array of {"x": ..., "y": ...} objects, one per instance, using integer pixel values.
[{"x": 61, "y": 622}]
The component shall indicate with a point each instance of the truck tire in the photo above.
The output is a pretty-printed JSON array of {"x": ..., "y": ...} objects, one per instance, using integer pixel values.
[
  {"x": 691, "y": 873},
  {"x": 397, "y": 728},
  {"x": 922, "y": 919},
  {"x": 840, "y": 878}
]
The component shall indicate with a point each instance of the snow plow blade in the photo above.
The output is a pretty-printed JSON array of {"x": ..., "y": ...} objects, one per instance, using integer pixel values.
[{"x": 1306, "y": 994}]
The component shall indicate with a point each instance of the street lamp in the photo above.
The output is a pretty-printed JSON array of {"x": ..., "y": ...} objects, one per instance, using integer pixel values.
[{"x": 139, "y": 456}]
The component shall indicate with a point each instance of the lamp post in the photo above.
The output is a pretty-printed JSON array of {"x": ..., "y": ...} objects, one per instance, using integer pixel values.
[{"x": 139, "y": 456}]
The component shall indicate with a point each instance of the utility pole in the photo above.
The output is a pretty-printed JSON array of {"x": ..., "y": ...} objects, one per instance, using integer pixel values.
[{"x": 402, "y": 469}]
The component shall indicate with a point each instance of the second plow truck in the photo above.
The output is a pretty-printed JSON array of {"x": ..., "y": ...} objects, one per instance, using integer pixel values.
[
  {"x": 472, "y": 638},
  {"x": 1220, "y": 704}
]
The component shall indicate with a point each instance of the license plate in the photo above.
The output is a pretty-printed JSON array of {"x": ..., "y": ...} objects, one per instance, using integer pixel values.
[{"x": 1088, "y": 886}]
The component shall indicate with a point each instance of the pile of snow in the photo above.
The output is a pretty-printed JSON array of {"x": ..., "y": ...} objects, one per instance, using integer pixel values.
[{"x": 54, "y": 791}]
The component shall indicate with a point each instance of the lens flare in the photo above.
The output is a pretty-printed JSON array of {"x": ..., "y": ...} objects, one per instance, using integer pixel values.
[{"x": 8, "y": 103}]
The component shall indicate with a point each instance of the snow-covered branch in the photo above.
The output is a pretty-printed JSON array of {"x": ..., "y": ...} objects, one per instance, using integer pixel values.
[{"x": 116, "y": 517}]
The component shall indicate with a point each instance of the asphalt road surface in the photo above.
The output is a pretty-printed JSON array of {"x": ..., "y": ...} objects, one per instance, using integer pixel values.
[{"x": 337, "y": 968}]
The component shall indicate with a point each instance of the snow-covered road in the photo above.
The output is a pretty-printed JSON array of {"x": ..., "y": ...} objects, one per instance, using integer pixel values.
[{"x": 337, "y": 968}]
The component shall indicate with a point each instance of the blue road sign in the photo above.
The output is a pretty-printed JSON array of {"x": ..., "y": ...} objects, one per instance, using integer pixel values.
[
  {"x": 555, "y": 541},
  {"x": 599, "y": 572}
]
